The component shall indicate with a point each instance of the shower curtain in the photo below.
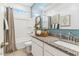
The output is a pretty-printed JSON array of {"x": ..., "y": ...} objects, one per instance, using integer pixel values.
[{"x": 9, "y": 34}]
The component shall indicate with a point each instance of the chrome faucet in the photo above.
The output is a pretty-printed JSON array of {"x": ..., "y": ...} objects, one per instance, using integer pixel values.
[
  {"x": 71, "y": 38},
  {"x": 69, "y": 35}
]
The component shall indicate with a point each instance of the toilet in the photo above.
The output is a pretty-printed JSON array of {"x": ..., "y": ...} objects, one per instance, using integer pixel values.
[{"x": 28, "y": 47}]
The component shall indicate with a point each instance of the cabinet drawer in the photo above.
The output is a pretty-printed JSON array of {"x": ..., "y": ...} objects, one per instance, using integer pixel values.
[
  {"x": 36, "y": 50},
  {"x": 37, "y": 42},
  {"x": 54, "y": 51},
  {"x": 47, "y": 54}
]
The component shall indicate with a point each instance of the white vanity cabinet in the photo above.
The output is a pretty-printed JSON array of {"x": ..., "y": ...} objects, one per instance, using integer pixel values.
[
  {"x": 37, "y": 47},
  {"x": 54, "y": 51},
  {"x": 40, "y": 48},
  {"x": 47, "y": 53}
]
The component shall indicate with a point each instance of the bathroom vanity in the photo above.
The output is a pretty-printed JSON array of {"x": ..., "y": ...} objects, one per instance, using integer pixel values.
[
  {"x": 61, "y": 42},
  {"x": 52, "y": 46}
]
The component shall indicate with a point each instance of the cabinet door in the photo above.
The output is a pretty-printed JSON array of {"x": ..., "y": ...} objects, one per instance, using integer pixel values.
[
  {"x": 47, "y": 54},
  {"x": 40, "y": 43},
  {"x": 37, "y": 50}
]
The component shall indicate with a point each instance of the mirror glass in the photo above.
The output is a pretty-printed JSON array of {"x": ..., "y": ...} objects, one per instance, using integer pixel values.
[{"x": 44, "y": 22}]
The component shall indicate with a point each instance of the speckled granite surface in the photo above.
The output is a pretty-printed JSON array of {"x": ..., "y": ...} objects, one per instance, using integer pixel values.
[{"x": 50, "y": 40}]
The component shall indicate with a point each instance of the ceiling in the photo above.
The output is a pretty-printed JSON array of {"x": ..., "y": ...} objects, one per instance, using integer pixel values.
[
  {"x": 17, "y": 4},
  {"x": 27, "y": 4},
  {"x": 45, "y": 6},
  {"x": 39, "y": 6}
]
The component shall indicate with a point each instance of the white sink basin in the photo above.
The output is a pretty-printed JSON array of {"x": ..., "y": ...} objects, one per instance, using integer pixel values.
[{"x": 68, "y": 45}]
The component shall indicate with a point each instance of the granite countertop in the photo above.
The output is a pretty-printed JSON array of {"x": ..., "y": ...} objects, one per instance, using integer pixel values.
[{"x": 50, "y": 40}]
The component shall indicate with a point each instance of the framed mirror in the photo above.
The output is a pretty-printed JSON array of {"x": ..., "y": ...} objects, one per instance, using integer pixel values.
[
  {"x": 45, "y": 22},
  {"x": 65, "y": 20},
  {"x": 56, "y": 21},
  {"x": 38, "y": 26}
]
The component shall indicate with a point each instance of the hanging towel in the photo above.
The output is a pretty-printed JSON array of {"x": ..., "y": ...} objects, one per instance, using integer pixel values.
[
  {"x": 53, "y": 26},
  {"x": 56, "y": 26},
  {"x": 5, "y": 24}
]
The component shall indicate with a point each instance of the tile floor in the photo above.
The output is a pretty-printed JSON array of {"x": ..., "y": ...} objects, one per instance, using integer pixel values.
[{"x": 20, "y": 52}]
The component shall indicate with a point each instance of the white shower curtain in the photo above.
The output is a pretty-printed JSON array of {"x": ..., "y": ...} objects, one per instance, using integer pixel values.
[{"x": 9, "y": 35}]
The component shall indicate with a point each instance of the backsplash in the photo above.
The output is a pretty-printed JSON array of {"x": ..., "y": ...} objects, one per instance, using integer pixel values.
[{"x": 74, "y": 32}]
